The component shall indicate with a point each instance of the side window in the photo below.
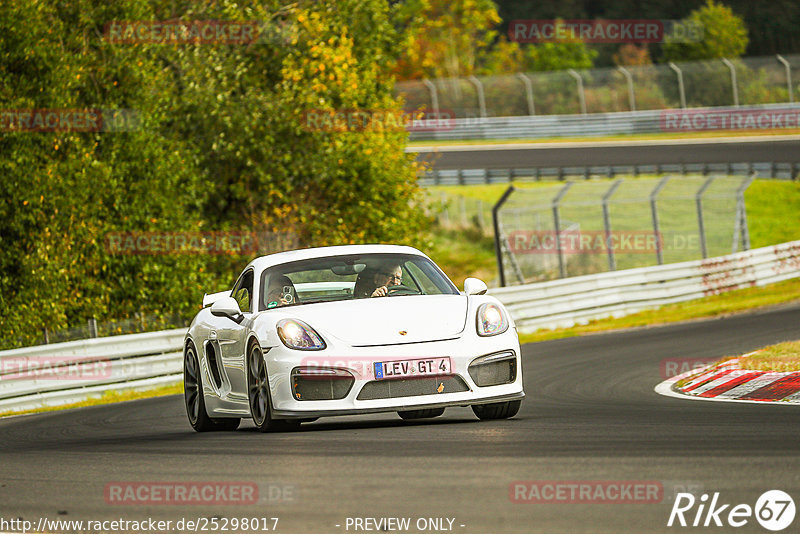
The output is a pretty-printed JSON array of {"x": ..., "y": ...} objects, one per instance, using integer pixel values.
[{"x": 243, "y": 291}]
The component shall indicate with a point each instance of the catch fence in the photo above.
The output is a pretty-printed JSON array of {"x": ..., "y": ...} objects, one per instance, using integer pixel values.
[{"x": 585, "y": 227}]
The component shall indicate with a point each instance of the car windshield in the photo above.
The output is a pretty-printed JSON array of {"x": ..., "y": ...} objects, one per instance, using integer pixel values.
[{"x": 351, "y": 277}]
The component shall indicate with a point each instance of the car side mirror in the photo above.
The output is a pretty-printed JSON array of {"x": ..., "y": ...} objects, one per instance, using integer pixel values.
[
  {"x": 227, "y": 307},
  {"x": 474, "y": 286}
]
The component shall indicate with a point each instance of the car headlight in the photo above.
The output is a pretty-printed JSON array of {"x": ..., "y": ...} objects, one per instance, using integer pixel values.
[
  {"x": 296, "y": 334},
  {"x": 491, "y": 320}
]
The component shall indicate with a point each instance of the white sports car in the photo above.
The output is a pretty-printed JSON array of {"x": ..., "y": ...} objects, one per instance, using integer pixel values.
[{"x": 348, "y": 330}]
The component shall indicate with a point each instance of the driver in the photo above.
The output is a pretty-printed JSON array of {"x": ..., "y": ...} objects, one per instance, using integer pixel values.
[
  {"x": 386, "y": 276},
  {"x": 281, "y": 291}
]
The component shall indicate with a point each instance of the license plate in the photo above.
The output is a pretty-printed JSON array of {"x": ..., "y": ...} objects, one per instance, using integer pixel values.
[{"x": 412, "y": 368}]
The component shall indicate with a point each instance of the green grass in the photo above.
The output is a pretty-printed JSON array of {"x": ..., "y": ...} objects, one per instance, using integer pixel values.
[
  {"x": 464, "y": 253},
  {"x": 108, "y": 397},
  {"x": 782, "y": 357},
  {"x": 773, "y": 212},
  {"x": 713, "y": 306},
  {"x": 620, "y": 137}
]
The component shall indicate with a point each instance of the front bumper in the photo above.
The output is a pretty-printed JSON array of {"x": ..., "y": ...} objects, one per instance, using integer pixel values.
[{"x": 359, "y": 362}]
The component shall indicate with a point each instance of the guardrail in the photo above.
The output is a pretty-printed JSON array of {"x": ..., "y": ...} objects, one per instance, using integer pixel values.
[
  {"x": 62, "y": 373},
  {"x": 613, "y": 123},
  {"x": 766, "y": 169},
  {"x": 570, "y": 301}
]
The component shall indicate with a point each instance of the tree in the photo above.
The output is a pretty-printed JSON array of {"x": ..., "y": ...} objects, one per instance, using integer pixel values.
[
  {"x": 221, "y": 145},
  {"x": 724, "y": 35},
  {"x": 631, "y": 55},
  {"x": 446, "y": 38},
  {"x": 559, "y": 55}
]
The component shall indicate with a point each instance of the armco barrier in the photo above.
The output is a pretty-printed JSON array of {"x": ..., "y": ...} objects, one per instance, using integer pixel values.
[
  {"x": 62, "y": 373},
  {"x": 593, "y": 124},
  {"x": 764, "y": 169},
  {"x": 570, "y": 301}
]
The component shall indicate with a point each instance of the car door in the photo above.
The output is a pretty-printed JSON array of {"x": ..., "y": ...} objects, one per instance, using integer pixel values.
[{"x": 232, "y": 339}]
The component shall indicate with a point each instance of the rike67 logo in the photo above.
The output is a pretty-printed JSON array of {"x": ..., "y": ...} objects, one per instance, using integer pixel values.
[{"x": 774, "y": 510}]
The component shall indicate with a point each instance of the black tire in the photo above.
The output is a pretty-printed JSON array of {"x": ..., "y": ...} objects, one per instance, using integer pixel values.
[
  {"x": 421, "y": 414},
  {"x": 258, "y": 395},
  {"x": 194, "y": 401},
  {"x": 497, "y": 410}
]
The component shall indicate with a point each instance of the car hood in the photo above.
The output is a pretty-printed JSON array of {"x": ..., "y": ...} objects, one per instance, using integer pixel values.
[{"x": 380, "y": 321}]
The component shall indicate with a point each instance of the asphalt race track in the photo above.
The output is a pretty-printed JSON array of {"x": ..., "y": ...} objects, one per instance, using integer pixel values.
[
  {"x": 753, "y": 149},
  {"x": 591, "y": 414}
]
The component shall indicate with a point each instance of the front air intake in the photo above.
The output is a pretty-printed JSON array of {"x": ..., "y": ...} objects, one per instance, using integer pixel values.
[
  {"x": 321, "y": 383},
  {"x": 494, "y": 369}
]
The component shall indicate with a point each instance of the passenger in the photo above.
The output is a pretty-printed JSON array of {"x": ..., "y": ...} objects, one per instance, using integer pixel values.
[{"x": 281, "y": 291}]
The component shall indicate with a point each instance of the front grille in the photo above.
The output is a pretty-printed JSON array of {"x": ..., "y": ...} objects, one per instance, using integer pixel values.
[{"x": 411, "y": 387}]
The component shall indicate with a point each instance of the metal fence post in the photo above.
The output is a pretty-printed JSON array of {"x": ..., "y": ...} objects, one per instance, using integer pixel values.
[
  {"x": 612, "y": 264},
  {"x": 631, "y": 93},
  {"x": 481, "y": 97},
  {"x": 92, "y": 327},
  {"x": 700, "y": 224},
  {"x": 434, "y": 95},
  {"x": 681, "y": 89},
  {"x": 562, "y": 267},
  {"x": 528, "y": 93},
  {"x": 654, "y": 214},
  {"x": 581, "y": 95},
  {"x": 788, "y": 69},
  {"x": 498, "y": 235},
  {"x": 734, "y": 85},
  {"x": 741, "y": 216}
]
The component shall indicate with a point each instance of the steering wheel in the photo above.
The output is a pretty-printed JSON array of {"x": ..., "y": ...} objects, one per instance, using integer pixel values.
[{"x": 401, "y": 289}]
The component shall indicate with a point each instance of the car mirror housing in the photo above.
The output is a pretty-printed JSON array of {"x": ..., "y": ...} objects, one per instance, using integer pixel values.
[
  {"x": 474, "y": 286},
  {"x": 227, "y": 307}
]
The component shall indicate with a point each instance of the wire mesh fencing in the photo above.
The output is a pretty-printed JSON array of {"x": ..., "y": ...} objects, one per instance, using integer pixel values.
[
  {"x": 712, "y": 83},
  {"x": 585, "y": 227}
]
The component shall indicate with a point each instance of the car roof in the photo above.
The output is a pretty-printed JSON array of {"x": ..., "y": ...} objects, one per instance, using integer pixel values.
[{"x": 265, "y": 262}]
